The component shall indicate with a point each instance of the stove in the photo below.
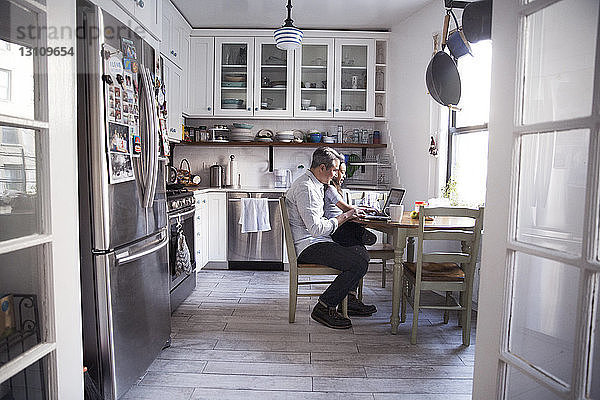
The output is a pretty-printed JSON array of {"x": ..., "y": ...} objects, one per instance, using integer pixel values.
[
  {"x": 180, "y": 211},
  {"x": 179, "y": 200}
]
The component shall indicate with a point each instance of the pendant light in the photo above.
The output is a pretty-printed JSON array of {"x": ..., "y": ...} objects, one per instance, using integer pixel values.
[{"x": 288, "y": 37}]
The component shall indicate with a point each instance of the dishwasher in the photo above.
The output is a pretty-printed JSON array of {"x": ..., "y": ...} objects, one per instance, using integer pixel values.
[{"x": 254, "y": 250}]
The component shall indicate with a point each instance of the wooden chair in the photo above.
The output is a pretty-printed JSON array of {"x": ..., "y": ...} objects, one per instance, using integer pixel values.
[
  {"x": 302, "y": 269},
  {"x": 445, "y": 272}
]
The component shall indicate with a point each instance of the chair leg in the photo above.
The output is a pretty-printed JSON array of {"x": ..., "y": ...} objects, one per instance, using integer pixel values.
[
  {"x": 459, "y": 316},
  {"x": 345, "y": 307},
  {"x": 293, "y": 297},
  {"x": 360, "y": 289},
  {"x": 383, "y": 262},
  {"x": 447, "y": 312},
  {"x": 466, "y": 328},
  {"x": 416, "y": 300}
]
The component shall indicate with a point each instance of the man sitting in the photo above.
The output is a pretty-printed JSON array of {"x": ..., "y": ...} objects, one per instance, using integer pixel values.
[{"x": 311, "y": 232}]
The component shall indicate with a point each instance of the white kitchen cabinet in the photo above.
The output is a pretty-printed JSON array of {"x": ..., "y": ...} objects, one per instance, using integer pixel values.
[
  {"x": 234, "y": 76},
  {"x": 314, "y": 78},
  {"x": 146, "y": 12},
  {"x": 173, "y": 82},
  {"x": 185, "y": 72},
  {"x": 175, "y": 30},
  {"x": 217, "y": 227},
  {"x": 273, "y": 79},
  {"x": 200, "y": 80},
  {"x": 201, "y": 231},
  {"x": 354, "y": 83}
]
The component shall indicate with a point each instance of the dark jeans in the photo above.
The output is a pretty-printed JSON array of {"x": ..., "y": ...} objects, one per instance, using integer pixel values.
[
  {"x": 353, "y": 261},
  {"x": 349, "y": 234}
]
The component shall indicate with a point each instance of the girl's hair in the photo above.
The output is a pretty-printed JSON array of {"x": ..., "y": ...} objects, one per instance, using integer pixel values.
[{"x": 335, "y": 183}]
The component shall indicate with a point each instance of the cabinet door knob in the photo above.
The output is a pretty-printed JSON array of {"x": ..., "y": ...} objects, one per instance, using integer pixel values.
[
  {"x": 329, "y": 110},
  {"x": 249, "y": 108},
  {"x": 255, "y": 108},
  {"x": 337, "y": 110},
  {"x": 141, "y": 3},
  {"x": 209, "y": 108}
]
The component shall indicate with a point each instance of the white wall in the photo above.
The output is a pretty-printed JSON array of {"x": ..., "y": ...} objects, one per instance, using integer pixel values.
[{"x": 413, "y": 115}]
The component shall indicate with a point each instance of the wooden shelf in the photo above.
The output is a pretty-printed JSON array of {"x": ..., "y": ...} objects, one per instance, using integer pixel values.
[{"x": 282, "y": 144}]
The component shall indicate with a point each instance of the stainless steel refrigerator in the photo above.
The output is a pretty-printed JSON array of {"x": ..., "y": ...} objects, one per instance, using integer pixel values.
[{"x": 123, "y": 215}]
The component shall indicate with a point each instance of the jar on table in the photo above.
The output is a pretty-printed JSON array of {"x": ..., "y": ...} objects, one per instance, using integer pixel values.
[{"x": 419, "y": 204}]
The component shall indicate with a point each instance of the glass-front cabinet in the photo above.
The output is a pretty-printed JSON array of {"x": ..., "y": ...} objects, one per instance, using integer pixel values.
[
  {"x": 314, "y": 78},
  {"x": 354, "y": 72},
  {"x": 273, "y": 86},
  {"x": 234, "y": 70}
]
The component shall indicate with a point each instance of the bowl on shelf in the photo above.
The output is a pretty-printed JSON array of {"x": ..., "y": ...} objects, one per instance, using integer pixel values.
[
  {"x": 315, "y": 137},
  {"x": 328, "y": 139},
  {"x": 311, "y": 108}
]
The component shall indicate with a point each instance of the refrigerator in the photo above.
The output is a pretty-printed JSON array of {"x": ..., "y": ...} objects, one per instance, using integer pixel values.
[{"x": 122, "y": 201}]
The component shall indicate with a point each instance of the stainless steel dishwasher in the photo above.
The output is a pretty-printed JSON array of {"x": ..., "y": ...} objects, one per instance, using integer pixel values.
[{"x": 254, "y": 250}]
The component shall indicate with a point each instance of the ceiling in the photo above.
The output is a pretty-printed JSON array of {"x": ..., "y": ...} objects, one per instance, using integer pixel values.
[{"x": 307, "y": 14}]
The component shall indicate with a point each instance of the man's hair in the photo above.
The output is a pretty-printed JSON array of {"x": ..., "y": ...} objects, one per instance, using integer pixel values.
[{"x": 324, "y": 155}]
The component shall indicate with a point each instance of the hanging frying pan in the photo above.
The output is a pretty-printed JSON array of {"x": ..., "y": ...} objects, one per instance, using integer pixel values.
[
  {"x": 441, "y": 77},
  {"x": 477, "y": 20},
  {"x": 443, "y": 80}
]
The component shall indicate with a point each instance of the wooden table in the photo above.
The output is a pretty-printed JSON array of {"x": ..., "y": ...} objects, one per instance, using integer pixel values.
[{"x": 408, "y": 228}]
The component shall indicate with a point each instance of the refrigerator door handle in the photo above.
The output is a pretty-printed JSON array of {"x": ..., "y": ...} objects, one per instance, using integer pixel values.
[
  {"x": 155, "y": 141},
  {"x": 125, "y": 259},
  {"x": 151, "y": 132}
]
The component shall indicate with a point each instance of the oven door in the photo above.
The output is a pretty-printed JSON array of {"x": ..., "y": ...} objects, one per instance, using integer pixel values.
[{"x": 186, "y": 219}]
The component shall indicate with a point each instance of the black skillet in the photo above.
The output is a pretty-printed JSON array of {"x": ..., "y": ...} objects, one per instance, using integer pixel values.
[{"x": 442, "y": 78}]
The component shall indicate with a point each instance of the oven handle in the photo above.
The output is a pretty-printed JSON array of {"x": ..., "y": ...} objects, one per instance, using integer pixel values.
[
  {"x": 135, "y": 256},
  {"x": 269, "y": 200},
  {"x": 183, "y": 214}
]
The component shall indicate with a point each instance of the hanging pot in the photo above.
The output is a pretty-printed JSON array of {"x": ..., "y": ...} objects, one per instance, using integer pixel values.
[
  {"x": 458, "y": 44},
  {"x": 443, "y": 80},
  {"x": 477, "y": 20}
]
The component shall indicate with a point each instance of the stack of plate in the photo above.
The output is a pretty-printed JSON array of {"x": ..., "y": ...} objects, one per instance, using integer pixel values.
[
  {"x": 240, "y": 135},
  {"x": 284, "y": 136},
  {"x": 232, "y": 103}
]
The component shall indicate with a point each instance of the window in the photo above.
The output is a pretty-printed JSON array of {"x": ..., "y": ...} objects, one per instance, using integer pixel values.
[
  {"x": 468, "y": 130},
  {"x": 4, "y": 84}
]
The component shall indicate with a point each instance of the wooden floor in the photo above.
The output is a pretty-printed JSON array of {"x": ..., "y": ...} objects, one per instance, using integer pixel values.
[{"x": 232, "y": 340}]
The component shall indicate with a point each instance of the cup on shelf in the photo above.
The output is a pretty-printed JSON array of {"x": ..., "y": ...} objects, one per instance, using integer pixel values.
[{"x": 305, "y": 103}]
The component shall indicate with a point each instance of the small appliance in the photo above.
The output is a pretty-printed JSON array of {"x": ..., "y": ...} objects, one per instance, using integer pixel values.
[
  {"x": 216, "y": 173},
  {"x": 283, "y": 178}
]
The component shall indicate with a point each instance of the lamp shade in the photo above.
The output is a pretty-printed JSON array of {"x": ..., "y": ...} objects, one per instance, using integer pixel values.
[{"x": 288, "y": 38}]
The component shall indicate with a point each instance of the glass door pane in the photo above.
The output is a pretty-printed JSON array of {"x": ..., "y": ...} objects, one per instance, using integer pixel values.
[
  {"x": 354, "y": 78},
  {"x": 273, "y": 78},
  {"x": 559, "y": 61},
  {"x": 234, "y": 76},
  {"x": 19, "y": 184},
  {"x": 22, "y": 292},
  {"x": 551, "y": 202},
  {"x": 313, "y": 77}
]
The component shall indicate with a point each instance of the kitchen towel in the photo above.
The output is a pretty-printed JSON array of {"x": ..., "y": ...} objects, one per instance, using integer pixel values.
[{"x": 255, "y": 215}]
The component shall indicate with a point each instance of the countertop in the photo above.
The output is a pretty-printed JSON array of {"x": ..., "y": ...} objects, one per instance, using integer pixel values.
[{"x": 252, "y": 189}]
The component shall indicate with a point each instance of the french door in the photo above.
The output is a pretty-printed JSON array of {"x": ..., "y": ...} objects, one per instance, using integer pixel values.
[
  {"x": 40, "y": 307},
  {"x": 538, "y": 334}
]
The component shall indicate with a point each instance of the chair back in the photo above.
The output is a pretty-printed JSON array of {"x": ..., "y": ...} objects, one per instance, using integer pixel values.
[
  {"x": 469, "y": 237},
  {"x": 289, "y": 239}
]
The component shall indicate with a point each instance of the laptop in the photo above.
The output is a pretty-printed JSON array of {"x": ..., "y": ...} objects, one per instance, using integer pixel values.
[{"x": 395, "y": 197}]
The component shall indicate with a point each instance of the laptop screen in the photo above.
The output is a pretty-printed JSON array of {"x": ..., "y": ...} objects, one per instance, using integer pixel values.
[{"x": 395, "y": 197}]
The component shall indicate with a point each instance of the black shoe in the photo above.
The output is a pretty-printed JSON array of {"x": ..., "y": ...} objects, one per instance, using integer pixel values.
[
  {"x": 329, "y": 317},
  {"x": 369, "y": 238},
  {"x": 357, "y": 308}
]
